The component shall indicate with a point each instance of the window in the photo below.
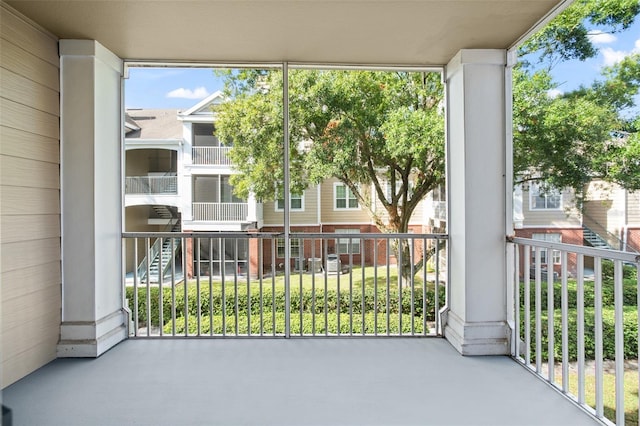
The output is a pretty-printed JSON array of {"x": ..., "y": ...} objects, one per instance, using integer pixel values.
[
  {"x": 343, "y": 244},
  {"x": 296, "y": 202},
  {"x": 554, "y": 238},
  {"x": 294, "y": 248},
  {"x": 544, "y": 199},
  {"x": 344, "y": 198},
  {"x": 203, "y": 135}
]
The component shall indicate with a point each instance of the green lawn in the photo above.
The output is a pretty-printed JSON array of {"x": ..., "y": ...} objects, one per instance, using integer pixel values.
[{"x": 630, "y": 394}]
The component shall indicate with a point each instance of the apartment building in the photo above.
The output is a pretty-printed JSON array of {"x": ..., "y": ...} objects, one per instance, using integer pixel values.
[{"x": 177, "y": 178}]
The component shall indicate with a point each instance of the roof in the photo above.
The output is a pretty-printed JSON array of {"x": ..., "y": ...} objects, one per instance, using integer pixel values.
[
  {"x": 153, "y": 124},
  {"x": 392, "y": 32}
]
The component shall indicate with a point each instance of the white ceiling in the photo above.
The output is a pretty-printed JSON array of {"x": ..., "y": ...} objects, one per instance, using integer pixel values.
[{"x": 397, "y": 32}]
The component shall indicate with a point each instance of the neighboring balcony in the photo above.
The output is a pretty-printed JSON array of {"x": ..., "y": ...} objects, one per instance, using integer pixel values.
[
  {"x": 211, "y": 155},
  {"x": 167, "y": 184},
  {"x": 220, "y": 212},
  {"x": 151, "y": 189}
]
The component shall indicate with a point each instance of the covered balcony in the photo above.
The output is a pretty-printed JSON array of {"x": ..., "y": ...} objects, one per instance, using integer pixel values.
[{"x": 76, "y": 348}]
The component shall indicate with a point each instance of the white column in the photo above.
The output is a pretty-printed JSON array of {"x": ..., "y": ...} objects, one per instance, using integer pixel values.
[
  {"x": 476, "y": 323},
  {"x": 93, "y": 319}
]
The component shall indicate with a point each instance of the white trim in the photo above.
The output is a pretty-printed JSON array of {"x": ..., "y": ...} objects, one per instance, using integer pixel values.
[
  {"x": 534, "y": 189},
  {"x": 334, "y": 199},
  {"x": 293, "y": 225},
  {"x": 552, "y": 226},
  {"x": 197, "y": 107},
  {"x": 300, "y": 210}
]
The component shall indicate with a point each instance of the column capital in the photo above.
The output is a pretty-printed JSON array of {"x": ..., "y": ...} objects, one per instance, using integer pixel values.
[
  {"x": 90, "y": 48},
  {"x": 475, "y": 57}
]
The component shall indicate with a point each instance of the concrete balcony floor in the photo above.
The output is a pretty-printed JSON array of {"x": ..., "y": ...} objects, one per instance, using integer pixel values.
[{"x": 319, "y": 381}]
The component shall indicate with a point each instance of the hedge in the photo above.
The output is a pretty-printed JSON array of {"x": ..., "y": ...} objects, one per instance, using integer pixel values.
[
  {"x": 630, "y": 293},
  {"x": 214, "y": 299},
  {"x": 630, "y": 332},
  {"x": 307, "y": 321}
]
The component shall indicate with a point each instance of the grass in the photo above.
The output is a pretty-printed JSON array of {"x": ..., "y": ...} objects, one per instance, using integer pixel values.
[
  {"x": 355, "y": 277},
  {"x": 630, "y": 394}
]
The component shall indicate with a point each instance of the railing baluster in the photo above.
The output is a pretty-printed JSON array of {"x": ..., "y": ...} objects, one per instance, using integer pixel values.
[
  {"x": 413, "y": 288},
  {"x": 196, "y": 243},
  {"x": 260, "y": 273},
  {"x": 363, "y": 282},
  {"x": 580, "y": 326},
  {"x": 326, "y": 300},
  {"x": 388, "y": 247},
  {"x": 527, "y": 303},
  {"x": 516, "y": 295},
  {"x": 565, "y": 323},
  {"x": 619, "y": 340},
  {"x": 247, "y": 272},
  {"x": 148, "y": 287},
  {"x": 235, "y": 285},
  {"x": 550, "y": 318},
  {"x": 598, "y": 337},
  {"x": 160, "y": 289},
  {"x": 211, "y": 326},
  {"x": 185, "y": 285},
  {"x": 375, "y": 286},
  {"x": 313, "y": 287},
  {"x": 350, "y": 254},
  {"x": 538, "y": 307},
  {"x": 273, "y": 284},
  {"x": 223, "y": 284},
  {"x": 436, "y": 289},
  {"x": 135, "y": 288},
  {"x": 173, "y": 286},
  {"x": 399, "y": 268},
  {"x": 424, "y": 285}
]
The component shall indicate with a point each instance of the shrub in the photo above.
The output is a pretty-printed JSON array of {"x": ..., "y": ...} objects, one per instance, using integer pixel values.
[
  {"x": 630, "y": 332},
  {"x": 210, "y": 302},
  {"x": 214, "y": 323},
  {"x": 630, "y": 293}
]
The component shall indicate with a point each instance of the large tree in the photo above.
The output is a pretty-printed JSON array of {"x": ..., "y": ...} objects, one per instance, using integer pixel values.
[
  {"x": 380, "y": 133},
  {"x": 572, "y": 138}
]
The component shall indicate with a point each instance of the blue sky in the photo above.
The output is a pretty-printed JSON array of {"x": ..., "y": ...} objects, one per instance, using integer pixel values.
[{"x": 182, "y": 88}]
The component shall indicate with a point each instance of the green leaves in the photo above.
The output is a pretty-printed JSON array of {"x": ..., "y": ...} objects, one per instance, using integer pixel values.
[
  {"x": 569, "y": 140},
  {"x": 363, "y": 127}
]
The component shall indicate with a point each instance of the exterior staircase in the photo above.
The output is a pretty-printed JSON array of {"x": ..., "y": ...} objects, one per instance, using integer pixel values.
[
  {"x": 160, "y": 255},
  {"x": 595, "y": 240},
  {"x": 165, "y": 255}
]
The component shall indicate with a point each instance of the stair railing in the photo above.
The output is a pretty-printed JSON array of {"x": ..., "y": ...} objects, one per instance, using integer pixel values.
[
  {"x": 611, "y": 239},
  {"x": 156, "y": 250}
]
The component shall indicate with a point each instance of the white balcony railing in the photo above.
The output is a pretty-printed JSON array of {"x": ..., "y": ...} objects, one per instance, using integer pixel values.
[
  {"x": 239, "y": 287},
  {"x": 220, "y": 212},
  {"x": 151, "y": 185},
  {"x": 212, "y": 155},
  {"x": 574, "y": 317}
]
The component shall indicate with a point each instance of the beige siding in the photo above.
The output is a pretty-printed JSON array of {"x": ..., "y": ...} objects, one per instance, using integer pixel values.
[
  {"x": 330, "y": 215},
  {"x": 308, "y": 216},
  {"x": 633, "y": 208},
  {"x": 566, "y": 217},
  {"x": 29, "y": 196}
]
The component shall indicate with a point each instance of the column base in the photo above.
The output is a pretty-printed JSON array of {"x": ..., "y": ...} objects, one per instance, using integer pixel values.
[
  {"x": 90, "y": 339},
  {"x": 479, "y": 338}
]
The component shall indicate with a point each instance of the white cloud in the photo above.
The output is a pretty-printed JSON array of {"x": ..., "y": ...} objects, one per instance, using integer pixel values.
[
  {"x": 554, "y": 93},
  {"x": 198, "y": 93},
  {"x": 599, "y": 37},
  {"x": 612, "y": 57}
]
